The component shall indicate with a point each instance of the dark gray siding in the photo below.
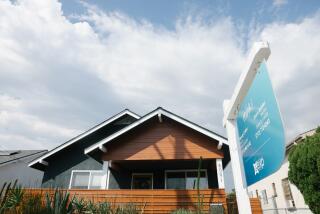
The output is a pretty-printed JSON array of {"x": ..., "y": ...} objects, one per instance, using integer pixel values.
[
  {"x": 60, "y": 176},
  {"x": 61, "y": 164}
]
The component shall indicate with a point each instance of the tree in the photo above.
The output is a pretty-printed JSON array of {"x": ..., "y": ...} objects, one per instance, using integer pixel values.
[{"x": 304, "y": 169}]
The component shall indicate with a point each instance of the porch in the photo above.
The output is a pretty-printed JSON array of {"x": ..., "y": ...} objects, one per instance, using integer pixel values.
[{"x": 151, "y": 174}]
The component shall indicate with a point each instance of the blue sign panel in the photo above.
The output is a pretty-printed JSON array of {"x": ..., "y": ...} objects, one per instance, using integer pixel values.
[{"x": 260, "y": 129}]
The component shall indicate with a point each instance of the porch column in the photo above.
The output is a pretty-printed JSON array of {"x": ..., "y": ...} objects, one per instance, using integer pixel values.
[
  {"x": 220, "y": 173},
  {"x": 105, "y": 168}
]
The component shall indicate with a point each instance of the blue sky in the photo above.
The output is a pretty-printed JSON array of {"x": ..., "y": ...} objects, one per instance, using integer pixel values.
[{"x": 166, "y": 12}]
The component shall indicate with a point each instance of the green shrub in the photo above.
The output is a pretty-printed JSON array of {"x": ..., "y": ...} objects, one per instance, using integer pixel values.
[{"x": 304, "y": 170}]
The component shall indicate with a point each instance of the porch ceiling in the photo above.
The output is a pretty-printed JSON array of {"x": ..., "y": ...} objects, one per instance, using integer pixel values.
[{"x": 134, "y": 165}]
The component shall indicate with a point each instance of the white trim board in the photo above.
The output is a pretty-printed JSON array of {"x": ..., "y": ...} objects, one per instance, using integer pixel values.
[
  {"x": 79, "y": 137},
  {"x": 156, "y": 112}
]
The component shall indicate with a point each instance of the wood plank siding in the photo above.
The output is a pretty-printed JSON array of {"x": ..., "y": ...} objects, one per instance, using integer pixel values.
[
  {"x": 150, "y": 201},
  {"x": 166, "y": 140}
]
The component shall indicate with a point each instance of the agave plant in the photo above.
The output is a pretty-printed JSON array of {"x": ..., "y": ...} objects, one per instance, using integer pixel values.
[
  {"x": 79, "y": 205},
  {"x": 14, "y": 198},
  {"x": 59, "y": 203},
  {"x": 32, "y": 204},
  {"x": 104, "y": 208},
  {"x": 11, "y": 196},
  {"x": 3, "y": 196},
  {"x": 91, "y": 208}
]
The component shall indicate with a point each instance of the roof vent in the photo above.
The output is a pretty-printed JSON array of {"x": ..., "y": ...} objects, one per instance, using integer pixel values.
[{"x": 8, "y": 153}]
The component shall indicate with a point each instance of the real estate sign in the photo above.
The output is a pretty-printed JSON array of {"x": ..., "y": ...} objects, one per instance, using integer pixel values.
[{"x": 260, "y": 129}]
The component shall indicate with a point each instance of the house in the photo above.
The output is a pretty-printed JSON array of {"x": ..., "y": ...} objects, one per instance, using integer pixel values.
[
  {"x": 127, "y": 152},
  {"x": 14, "y": 166},
  {"x": 276, "y": 192}
]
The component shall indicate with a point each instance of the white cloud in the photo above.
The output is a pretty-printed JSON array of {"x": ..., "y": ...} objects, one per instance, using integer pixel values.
[
  {"x": 279, "y": 3},
  {"x": 294, "y": 70},
  {"x": 58, "y": 77},
  {"x": 22, "y": 131}
]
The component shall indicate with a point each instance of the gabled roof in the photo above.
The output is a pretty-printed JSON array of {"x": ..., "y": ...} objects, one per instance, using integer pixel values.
[
  {"x": 10, "y": 156},
  {"x": 158, "y": 112},
  {"x": 84, "y": 134}
]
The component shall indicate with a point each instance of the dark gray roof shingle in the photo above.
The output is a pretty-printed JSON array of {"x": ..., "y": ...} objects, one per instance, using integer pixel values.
[{"x": 7, "y": 156}]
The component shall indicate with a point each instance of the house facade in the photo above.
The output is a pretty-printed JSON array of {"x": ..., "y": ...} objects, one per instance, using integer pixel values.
[
  {"x": 59, "y": 164},
  {"x": 158, "y": 151},
  {"x": 276, "y": 193},
  {"x": 14, "y": 166}
]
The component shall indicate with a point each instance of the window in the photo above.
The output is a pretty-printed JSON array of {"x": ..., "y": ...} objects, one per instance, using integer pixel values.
[
  {"x": 176, "y": 180},
  {"x": 96, "y": 180},
  {"x": 186, "y": 179},
  {"x": 191, "y": 180},
  {"x": 287, "y": 192},
  {"x": 274, "y": 190},
  {"x": 264, "y": 196},
  {"x": 142, "y": 181},
  {"x": 87, "y": 179},
  {"x": 80, "y": 180}
]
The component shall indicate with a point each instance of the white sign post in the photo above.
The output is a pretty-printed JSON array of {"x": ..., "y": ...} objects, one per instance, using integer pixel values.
[{"x": 258, "y": 54}]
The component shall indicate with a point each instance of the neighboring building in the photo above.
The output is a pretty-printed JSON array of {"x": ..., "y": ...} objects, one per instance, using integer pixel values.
[
  {"x": 159, "y": 150},
  {"x": 14, "y": 166},
  {"x": 276, "y": 192}
]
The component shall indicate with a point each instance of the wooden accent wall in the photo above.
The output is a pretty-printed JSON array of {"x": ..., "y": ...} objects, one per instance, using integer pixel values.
[
  {"x": 162, "y": 141},
  {"x": 150, "y": 201}
]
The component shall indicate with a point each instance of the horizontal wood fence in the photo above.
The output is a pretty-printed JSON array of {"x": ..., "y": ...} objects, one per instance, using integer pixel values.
[
  {"x": 255, "y": 206},
  {"x": 254, "y": 202},
  {"x": 150, "y": 201}
]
